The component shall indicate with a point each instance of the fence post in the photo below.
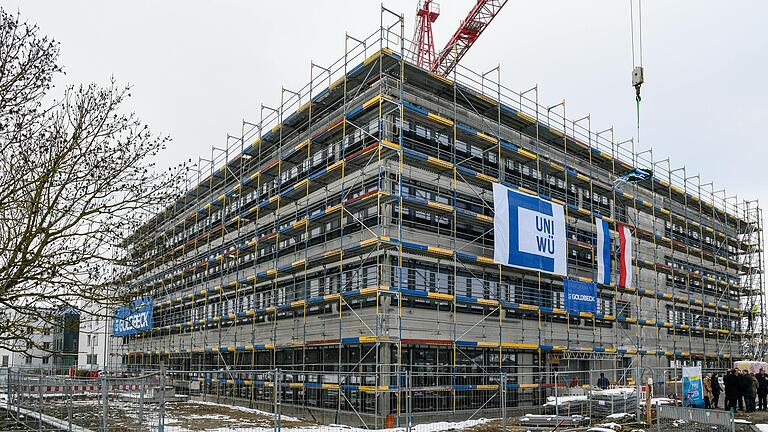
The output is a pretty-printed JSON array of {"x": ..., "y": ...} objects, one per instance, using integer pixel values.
[
  {"x": 503, "y": 402},
  {"x": 141, "y": 402},
  {"x": 19, "y": 395},
  {"x": 280, "y": 377},
  {"x": 40, "y": 401},
  {"x": 161, "y": 407},
  {"x": 69, "y": 405},
  {"x": 104, "y": 397},
  {"x": 674, "y": 382},
  {"x": 276, "y": 400},
  {"x": 10, "y": 393},
  {"x": 408, "y": 401},
  {"x": 648, "y": 399},
  {"x": 557, "y": 401},
  {"x": 637, "y": 390},
  {"x": 589, "y": 396}
]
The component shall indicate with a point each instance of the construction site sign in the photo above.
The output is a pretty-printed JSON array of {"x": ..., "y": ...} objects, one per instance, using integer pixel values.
[{"x": 693, "y": 391}]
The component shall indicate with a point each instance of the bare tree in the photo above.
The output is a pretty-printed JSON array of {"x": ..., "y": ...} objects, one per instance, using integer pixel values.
[{"x": 76, "y": 175}]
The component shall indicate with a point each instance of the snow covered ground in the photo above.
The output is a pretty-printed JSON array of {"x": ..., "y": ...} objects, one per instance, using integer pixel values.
[
  {"x": 197, "y": 416},
  {"x": 244, "y": 410},
  {"x": 430, "y": 427}
]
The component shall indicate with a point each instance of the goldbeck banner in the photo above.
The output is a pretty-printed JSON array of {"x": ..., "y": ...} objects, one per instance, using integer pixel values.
[
  {"x": 133, "y": 319},
  {"x": 529, "y": 232},
  {"x": 580, "y": 296}
]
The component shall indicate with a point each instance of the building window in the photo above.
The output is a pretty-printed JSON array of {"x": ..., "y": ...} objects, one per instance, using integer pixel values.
[
  {"x": 5, "y": 361},
  {"x": 45, "y": 360},
  {"x": 92, "y": 359},
  {"x": 28, "y": 359},
  {"x": 557, "y": 299}
]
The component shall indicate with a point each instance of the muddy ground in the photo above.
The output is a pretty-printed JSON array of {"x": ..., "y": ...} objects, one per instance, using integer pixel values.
[
  {"x": 754, "y": 417},
  {"x": 181, "y": 416}
]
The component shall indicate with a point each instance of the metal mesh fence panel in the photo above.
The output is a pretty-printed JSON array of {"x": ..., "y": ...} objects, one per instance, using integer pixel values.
[
  {"x": 250, "y": 400},
  {"x": 687, "y": 419}
]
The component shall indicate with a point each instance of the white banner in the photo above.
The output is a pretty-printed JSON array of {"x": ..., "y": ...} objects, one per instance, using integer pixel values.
[{"x": 529, "y": 232}]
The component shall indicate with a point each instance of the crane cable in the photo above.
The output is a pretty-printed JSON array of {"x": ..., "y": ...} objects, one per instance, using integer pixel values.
[{"x": 637, "y": 70}]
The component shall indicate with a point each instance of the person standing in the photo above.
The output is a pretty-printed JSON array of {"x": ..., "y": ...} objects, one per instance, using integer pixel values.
[
  {"x": 754, "y": 385},
  {"x": 762, "y": 389},
  {"x": 707, "y": 390},
  {"x": 714, "y": 384},
  {"x": 731, "y": 382},
  {"x": 602, "y": 382},
  {"x": 743, "y": 383}
]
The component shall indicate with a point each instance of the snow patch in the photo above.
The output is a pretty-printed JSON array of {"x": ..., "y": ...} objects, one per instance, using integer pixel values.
[
  {"x": 610, "y": 425},
  {"x": 615, "y": 391},
  {"x": 245, "y": 410},
  {"x": 429, "y": 427},
  {"x": 660, "y": 401},
  {"x": 552, "y": 401}
]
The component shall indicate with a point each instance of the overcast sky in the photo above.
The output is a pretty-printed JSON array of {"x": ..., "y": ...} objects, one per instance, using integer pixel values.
[{"x": 199, "y": 67}]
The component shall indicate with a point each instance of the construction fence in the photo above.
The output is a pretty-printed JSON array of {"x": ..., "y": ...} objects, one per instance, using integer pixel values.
[
  {"x": 293, "y": 400},
  {"x": 685, "y": 419}
]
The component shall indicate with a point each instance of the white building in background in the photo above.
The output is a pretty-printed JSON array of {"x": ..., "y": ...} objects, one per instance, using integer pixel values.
[
  {"x": 32, "y": 352},
  {"x": 92, "y": 349},
  {"x": 48, "y": 344}
]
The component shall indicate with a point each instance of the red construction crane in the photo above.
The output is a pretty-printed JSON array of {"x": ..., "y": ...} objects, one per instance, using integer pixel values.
[
  {"x": 470, "y": 29},
  {"x": 423, "y": 49}
]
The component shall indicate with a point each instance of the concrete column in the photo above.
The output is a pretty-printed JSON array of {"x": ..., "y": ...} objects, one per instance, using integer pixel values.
[{"x": 385, "y": 379}]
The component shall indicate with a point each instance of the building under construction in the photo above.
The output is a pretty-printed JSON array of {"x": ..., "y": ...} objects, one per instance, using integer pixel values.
[{"x": 350, "y": 231}]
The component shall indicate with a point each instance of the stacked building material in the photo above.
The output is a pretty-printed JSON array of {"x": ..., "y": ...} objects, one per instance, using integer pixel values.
[
  {"x": 567, "y": 404},
  {"x": 612, "y": 401}
]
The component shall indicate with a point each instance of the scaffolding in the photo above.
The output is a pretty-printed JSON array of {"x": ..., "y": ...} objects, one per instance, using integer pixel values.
[{"x": 350, "y": 231}]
